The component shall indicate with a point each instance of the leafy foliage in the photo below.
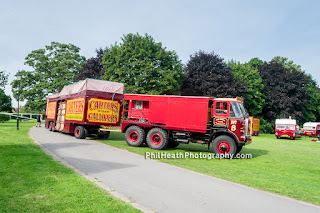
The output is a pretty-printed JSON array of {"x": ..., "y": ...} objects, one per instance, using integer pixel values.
[
  {"x": 5, "y": 102},
  {"x": 266, "y": 126},
  {"x": 312, "y": 107},
  {"x": 208, "y": 75},
  {"x": 284, "y": 90},
  {"x": 53, "y": 67},
  {"x": 4, "y": 118},
  {"x": 3, "y": 78},
  {"x": 143, "y": 65},
  {"x": 255, "y": 62},
  {"x": 250, "y": 76},
  {"x": 93, "y": 67},
  {"x": 290, "y": 65}
]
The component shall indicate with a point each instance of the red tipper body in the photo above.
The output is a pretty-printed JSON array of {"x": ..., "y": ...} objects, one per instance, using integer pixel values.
[
  {"x": 188, "y": 119},
  {"x": 89, "y": 103},
  {"x": 171, "y": 112}
]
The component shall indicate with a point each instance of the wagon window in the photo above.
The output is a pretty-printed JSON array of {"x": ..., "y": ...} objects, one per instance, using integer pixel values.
[
  {"x": 221, "y": 108},
  {"x": 313, "y": 127},
  {"x": 138, "y": 105},
  {"x": 318, "y": 127},
  {"x": 281, "y": 127},
  {"x": 292, "y": 127}
]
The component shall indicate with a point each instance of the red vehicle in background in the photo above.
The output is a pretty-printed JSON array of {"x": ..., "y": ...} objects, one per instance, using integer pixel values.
[
  {"x": 311, "y": 129},
  {"x": 167, "y": 121},
  {"x": 287, "y": 128}
]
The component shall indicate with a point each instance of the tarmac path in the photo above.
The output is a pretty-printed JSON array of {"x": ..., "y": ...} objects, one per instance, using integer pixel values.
[{"x": 154, "y": 186}]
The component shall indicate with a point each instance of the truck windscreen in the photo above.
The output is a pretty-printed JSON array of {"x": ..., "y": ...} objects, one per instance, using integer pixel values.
[{"x": 235, "y": 110}]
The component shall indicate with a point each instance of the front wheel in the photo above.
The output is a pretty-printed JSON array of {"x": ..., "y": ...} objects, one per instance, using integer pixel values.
[
  {"x": 224, "y": 145},
  {"x": 135, "y": 136},
  {"x": 157, "y": 138}
]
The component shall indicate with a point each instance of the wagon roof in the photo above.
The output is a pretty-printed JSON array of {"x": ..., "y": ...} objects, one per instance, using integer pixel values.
[
  {"x": 311, "y": 124},
  {"x": 286, "y": 121},
  {"x": 91, "y": 84}
]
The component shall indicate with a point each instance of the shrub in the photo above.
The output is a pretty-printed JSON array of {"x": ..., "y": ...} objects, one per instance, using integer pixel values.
[
  {"x": 266, "y": 126},
  {"x": 4, "y": 118}
]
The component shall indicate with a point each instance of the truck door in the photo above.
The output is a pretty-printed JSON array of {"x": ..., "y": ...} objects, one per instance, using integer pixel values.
[{"x": 220, "y": 109}]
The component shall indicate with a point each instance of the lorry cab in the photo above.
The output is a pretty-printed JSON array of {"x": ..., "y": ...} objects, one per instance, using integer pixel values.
[
  {"x": 287, "y": 128},
  {"x": 311, "y": 129}
]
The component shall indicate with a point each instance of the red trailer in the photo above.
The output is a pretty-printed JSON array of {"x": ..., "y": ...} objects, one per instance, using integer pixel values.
[
  {"x": 167, "y": 121},
  {"x": 82, "y": 108}
]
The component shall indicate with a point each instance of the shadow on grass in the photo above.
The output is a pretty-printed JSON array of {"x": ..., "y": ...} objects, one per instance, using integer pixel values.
[{"x": 255, "y": 152}]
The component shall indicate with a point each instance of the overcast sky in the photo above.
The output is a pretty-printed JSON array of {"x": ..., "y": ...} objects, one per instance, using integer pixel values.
[{"x": 238, "y": 30}]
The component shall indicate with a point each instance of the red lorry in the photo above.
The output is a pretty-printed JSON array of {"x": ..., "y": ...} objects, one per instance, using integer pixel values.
[
  {"x": 82, "y": 108},
  {"x": 160, "y": 121},
  {"x": 163, "y": 121}
]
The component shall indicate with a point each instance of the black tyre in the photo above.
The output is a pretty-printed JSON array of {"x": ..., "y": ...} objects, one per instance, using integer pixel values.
[
  {"x": 239, "y": 148},
  {"x": 157, "y": 138},
  {"x": 80, "y": 132},
  {"x": 135, "y": 136},
  {"x": 173, "y": 144},
  {"x": 224, "y": 145},
  {"x": 103, "y": 135},
  {"x": 278, "y": 137}
]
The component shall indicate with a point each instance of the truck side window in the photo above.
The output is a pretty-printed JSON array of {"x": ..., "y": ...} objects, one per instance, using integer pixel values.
[
  {"x": 138, "y": 105},
  {"x": 221, "y": 108}
]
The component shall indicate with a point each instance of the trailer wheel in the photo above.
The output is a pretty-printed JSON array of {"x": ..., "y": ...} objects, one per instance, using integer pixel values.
[
  {"x": 157, "y": 138},
  {"x": 103, "y": 135},
  {"x": 80, "y": 132},
  {"x": 224, "y": 145},
  {"x": 135, "y": 136}
]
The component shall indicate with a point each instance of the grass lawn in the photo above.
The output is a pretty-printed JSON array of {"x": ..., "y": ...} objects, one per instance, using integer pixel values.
[
  {"x": 286, "y": 167},
  {"x": 31, "y": 181}
]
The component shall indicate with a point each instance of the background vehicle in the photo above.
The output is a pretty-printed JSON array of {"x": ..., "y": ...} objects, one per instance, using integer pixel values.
[
  {"x": 255, "y": 125},
  {"x": 167, "y": 121},
  {"x": 287, "y": 128},
  {"x": 82, "y": 108},
  {"x": 311, "y": 129}
]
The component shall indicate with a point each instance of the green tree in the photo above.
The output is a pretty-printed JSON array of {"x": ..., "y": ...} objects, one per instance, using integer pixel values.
[
  {"x": 143, "y": 65},
  {"x": 209, "y": 75},
  {"x": 250, "y": 76},
  {"x": 53, "y": 67},
  {"x": 3, "y": 78},
  {"x": 290, "y": 65},
  {"x": 255, "y": 62},
  {"x": 312, "y": 107},
  {"x": 5, "y": 102}
]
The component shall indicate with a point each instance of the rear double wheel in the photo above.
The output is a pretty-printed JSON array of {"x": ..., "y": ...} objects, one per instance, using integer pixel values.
[
  {"x": 80, "y": 132},
  {"x": 135, "y": 136},
  {"x": 224, "y": 145},
  {"x": 157, "y": 138}
]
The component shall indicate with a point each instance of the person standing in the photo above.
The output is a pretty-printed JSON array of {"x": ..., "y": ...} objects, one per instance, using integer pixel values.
[{"x": 38, "y": 120}]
